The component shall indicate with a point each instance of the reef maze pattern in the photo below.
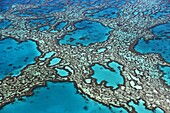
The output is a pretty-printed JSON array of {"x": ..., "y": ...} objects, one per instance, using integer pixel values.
[{"x": 140, "y": 72}]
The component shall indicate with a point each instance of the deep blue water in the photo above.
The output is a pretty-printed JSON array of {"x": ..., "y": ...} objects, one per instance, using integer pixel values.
[
  {"x": 88, "y": 32},
  {"x": 15, "y": 56},
  {"x": 110, "y": 12},
  {"x": 46, "y": 9},
  {"x": 141, "y": 108},
  {"x": 40, "y": 10},
  {"x": 164, "y": 12},
  {"x": 41, "y": 24},
  {"x": 36, "y": 22},
  {"x": 4, "y": 24},
  {"x": 160, "y": 44},
  {"x": 6, "y": 4},
  {"x": 53, "y": 5},
  {"x": 61, "y": 25},
  {"x": 166, "y": 76},
  {"x": 44, "y": 28},
  {"x": 112, "y": 77},
  {"x": 50, "y": 100}
]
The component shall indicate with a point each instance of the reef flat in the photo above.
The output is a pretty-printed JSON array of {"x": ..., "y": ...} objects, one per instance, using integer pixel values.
[{"x": 130, "y": 21}]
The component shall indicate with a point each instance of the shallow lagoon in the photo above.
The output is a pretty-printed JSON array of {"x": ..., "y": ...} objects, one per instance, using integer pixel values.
[
  {"x": 62, "y": 72},
  {"x": 16, "y": 55},
  {"x": 87, "y": 32},
  {"x": 54, "y": 61},
  {"x": 160, "y": 46},
  {"x": 162, "y": 30},
  {"x": 112, "y": 77},
  {"x": 160, "y": 43},
  {"x": 166, "y": 77},
  {"x": 141, "y": 108}
]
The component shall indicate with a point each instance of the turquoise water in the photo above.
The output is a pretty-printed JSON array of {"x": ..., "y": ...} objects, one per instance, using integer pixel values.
[
  {"x": 160, "y": 46},
  {"x": 111, "y": 76},
  {"x": 101, "y": 50},
  {"x": 50, "y": 100},
  {"x": 160, "y": 43},
  {"x": 141, "y": 108},
  {"x": 88, "y": 32},
  {"x": 63, "y": 97},
  {"x": 54, "y": 61},
  {"x": 47, "y": 55},
  {"x": 166, "y": 76},
  {"x": 15, "y": 56},
  {"x": 162, "y": 30},
  {"x": 62, "y": 72}
]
